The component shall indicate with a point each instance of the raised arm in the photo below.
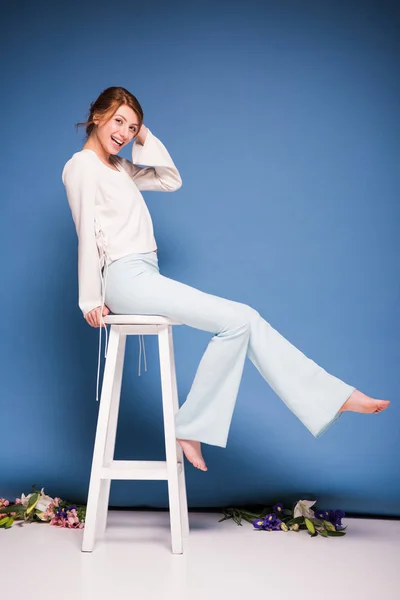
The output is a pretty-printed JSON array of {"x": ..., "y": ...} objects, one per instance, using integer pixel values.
[
  {"x": 159, "y": 172},
  {"x": 80, "y": 183}
]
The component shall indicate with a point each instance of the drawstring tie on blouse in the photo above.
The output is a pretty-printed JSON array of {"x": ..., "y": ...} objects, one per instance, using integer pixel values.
[{"x": 103, "y": 268}]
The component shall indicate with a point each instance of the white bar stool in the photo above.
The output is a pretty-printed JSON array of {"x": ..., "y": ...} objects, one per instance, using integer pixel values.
[{"x": 104, "y": 467}]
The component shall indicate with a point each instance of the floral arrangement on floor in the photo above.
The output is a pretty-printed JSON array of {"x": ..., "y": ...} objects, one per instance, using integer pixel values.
[
  {"x": 327, "y": 523},
  {"x": 37, "y": 506}
]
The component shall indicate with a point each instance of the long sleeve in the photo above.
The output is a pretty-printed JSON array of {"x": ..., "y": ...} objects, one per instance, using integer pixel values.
[
  {"x": 80, "y": 182},
  {"x": 159, "y": 172}
]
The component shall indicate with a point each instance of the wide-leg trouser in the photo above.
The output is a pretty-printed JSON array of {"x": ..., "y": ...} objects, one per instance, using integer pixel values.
[{"x": 135, "y": 286}]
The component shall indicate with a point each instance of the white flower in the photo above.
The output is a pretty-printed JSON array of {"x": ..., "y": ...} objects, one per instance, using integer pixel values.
[
  {"x": 303, "y": 509},
  {"x": 25, "y": 500},
  {"x": 41, "y": 504},
  {"x": 43, "y": 501}
]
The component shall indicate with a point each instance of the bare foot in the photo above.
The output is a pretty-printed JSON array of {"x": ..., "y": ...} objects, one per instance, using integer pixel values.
[
  {"x": 359, "y": 402},
  {"x": 193, "y": 453}
]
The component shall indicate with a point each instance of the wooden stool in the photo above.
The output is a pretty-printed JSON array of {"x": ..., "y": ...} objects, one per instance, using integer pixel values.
[{"x": 104, "y": 467}]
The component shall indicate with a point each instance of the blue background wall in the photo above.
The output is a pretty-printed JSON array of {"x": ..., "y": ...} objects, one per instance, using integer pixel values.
[{"x": 284, "y": 122}]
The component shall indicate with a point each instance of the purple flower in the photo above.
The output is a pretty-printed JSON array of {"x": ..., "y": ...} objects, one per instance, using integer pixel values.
[
  {"x": 278, "y": 508},
  {"x": 271, "y": 523},
  {"x": 322, "y": 514},
  {"x": 61, "y": 513},
  {"x": 336, "y": 516},
  {"x": 271, "y": 518},
  {"x": 258, "y": 523},
  {"x": 277, "y": 525},
  {"x": 333, "y": 516},
  {"x": 268, "y": 523}
]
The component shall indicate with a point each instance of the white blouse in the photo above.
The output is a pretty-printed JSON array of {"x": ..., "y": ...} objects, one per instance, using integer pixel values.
[{"x": 109, "y": 212}]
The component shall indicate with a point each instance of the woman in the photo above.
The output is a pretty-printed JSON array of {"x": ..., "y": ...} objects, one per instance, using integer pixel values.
[{"x": 118, "y": 271}]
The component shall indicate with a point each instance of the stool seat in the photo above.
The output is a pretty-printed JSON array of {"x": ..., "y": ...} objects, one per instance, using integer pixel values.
[{"x": 104, "y": 467}]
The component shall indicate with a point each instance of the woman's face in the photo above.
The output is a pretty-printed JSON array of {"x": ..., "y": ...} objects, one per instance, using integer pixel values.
[{"x": 119, "y": 130}]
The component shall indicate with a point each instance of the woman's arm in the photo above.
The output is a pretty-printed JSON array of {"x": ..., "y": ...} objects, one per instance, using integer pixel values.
[
  {"x": 79, "y": 179},
  {"x": 159, "y": 173}
]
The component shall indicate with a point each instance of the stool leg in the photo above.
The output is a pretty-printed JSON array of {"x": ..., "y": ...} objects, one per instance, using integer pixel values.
[
  {"x": 182, "y": 481},
  {"x": 89, "y": 532},
  {"x": 170, "y": 440},
  {"x": 111, "y": 435}
]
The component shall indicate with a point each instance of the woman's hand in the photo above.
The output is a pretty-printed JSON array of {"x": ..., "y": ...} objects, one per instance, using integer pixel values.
[
  {"x": 141, "y": 136},
  {"x": 93, "y": 317}
]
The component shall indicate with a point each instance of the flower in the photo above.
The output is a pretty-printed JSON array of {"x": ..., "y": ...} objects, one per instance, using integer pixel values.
[
  {"x": 332, "y": 516},
  {"x": 321, "y": 514},
  {"x": 303, "y": 509},
  {"x": 25, "y": 499},
  {"x": 67, "y": 519},
  {"x": 277, "y": 508},
  {"x": 271, "y": 518},
  {"x": 61, "y": 512},
  {"x": 43, "y": 502},
  {"x": 335, "y": 517},
  {"x": 318, "y": 522},
  {"x": 277, "y": 525},
  {"x": 268, "y": 523},
  {"x": 39, "y": 506},
  {"x": 258, "y": 523}
]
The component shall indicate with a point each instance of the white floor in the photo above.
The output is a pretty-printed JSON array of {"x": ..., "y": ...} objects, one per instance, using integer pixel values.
[{"x": 220, "y": 561}]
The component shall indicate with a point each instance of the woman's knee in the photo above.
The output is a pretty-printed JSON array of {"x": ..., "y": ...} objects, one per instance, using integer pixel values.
[{"x": 242, "y": 316}]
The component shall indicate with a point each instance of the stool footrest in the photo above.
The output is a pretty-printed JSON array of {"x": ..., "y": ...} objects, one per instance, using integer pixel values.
[{"x": 137, "y": 469}]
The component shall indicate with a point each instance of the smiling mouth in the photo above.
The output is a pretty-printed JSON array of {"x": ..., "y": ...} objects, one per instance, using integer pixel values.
[{"x": 118, "y": 143}]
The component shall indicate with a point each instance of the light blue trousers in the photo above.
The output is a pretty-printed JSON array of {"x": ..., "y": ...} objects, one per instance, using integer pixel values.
[{"x": 135, "y": 286}]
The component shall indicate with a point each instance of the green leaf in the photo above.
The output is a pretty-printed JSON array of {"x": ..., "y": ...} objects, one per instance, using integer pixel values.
[
  {"x": 33, "y": 500},
  {"x": 299, "y": 520},
  {"x": 11, "y": 508},
  {"x": 9, "y": 523},
  {"x": 336, "y": 533},
  {"x": 328, "y": 525},
  {"x": 249, "y": 519},
  {"x": 3, "y": 521},
  {"x": 237, "y": 517},
  {"x": 310, "y": 525},
  {"x": 323, "y": 532}
]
